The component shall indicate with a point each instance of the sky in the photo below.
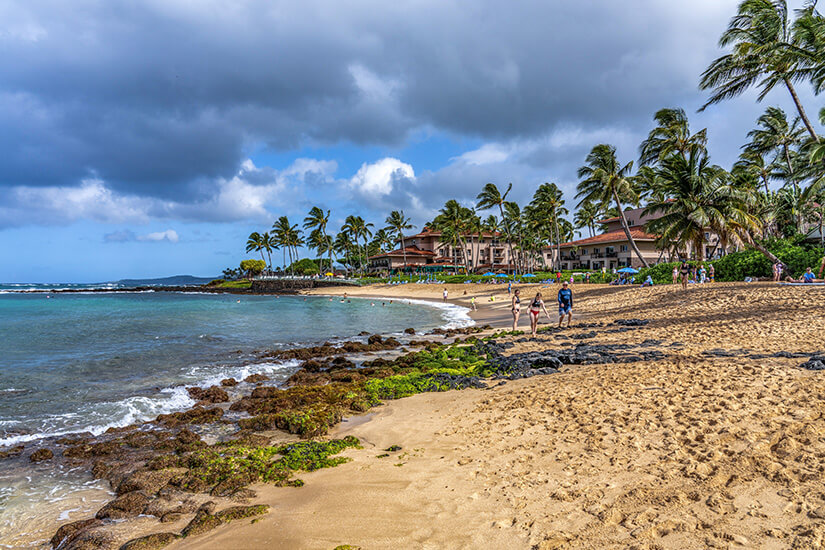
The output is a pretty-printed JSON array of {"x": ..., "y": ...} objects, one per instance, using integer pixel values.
[{"x": 147, "y": 138}]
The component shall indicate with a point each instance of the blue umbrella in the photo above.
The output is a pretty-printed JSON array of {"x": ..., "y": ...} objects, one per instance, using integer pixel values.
[
  {"x": 627, "y": 270},
  {"x": 489, "y": 274},
  {"x": 528, "y": 275},
  {"x": 502, "y": 275}
]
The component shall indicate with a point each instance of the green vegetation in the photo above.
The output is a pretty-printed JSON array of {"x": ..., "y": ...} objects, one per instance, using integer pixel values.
[
  {"x": 244, "y": 465},
  {"x": 234, "y": 284},
  {"x": 253, "y": 267}
]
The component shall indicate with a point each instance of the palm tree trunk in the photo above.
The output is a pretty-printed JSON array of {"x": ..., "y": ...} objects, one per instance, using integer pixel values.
[
  {"x": 801, "y": 109},
  {"x": 768, "y": 254},
  {"x": 627, "y": 229},
  {"x": 403, "y": 250}
]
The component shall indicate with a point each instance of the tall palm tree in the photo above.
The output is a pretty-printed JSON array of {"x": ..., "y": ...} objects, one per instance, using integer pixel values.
[
  {"x": 455, "y": 222},
  {"x": 288, "y": 237},
  {"x": 775, "y": 135},
  {"x": 549, "y": 202},
  {"x": 358, "y": 229},
  {"x": 256, "y": 242},
  {"x": 398, "y": 223},
  {"x": 321, "y": 243},
  {"x": 753, "y": 164},
  {"x": 489, "y": 197},
  {"x": 342, "y": 244},
  {"x": 765, "y": 53},
  {"x": 514, "y": 222},
  {"x": 318, "y": 220},
  {"x": 671, "y": 135},
  {"x": 606, "y": 181}
]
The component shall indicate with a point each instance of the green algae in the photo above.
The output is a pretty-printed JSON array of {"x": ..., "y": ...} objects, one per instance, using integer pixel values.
[{"x": 276, "y": 464}]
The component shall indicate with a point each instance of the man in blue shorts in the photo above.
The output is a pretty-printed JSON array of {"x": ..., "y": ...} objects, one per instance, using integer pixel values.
[{"x": 565, "y": 304}]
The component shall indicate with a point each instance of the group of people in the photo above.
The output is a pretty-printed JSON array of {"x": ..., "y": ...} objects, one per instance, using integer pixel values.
[
  {"x": 687, "y": 273},
  {"x": 537, "y": 305}
]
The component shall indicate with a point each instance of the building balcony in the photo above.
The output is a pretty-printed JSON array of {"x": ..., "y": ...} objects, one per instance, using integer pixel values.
[{"x": 611, "y": 254}]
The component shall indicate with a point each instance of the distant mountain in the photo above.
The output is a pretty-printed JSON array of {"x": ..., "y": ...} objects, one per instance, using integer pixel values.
[{"x": 176, "y": 280}]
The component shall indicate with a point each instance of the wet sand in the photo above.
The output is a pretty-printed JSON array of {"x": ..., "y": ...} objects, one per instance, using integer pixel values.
[{"x": 695, "y": 451}]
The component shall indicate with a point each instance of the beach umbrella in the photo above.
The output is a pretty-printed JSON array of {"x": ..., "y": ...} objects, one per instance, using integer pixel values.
[
  {"x": 328, "y": 274},
  {"x": 627, "y": 270},
  {"x": 489, "y": 274},
  {"x": 528, "y": 275},
  {"x": 502, "y": 275}
]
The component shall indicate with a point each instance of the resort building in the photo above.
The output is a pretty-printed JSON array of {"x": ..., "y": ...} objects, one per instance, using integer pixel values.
[
  {"x": 611, "y": 249},
  {"x": 486, "y": 252}
]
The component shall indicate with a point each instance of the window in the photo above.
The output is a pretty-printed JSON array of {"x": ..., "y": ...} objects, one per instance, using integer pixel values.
[
  {"x": 631, "y": 222},
  {"x": 584, "y": 251},
  {"x": 623, "y": 248},
  {"x": 707, "y": 236},
  {"x": 595, "y": 251}
]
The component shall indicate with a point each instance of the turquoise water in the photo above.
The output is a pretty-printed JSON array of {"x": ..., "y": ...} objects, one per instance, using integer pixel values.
[{"x": 85, "y": 362}]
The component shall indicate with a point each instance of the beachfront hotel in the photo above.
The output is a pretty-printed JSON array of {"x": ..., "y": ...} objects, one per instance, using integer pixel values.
[
  {"x": 486, "y": 252},
  {"x": 611, "y": 249}
]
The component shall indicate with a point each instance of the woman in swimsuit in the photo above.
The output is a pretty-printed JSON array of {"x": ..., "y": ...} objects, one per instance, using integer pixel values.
[
  {"x": 535, "y": 308},
  {"x": 516, "y": 308}
]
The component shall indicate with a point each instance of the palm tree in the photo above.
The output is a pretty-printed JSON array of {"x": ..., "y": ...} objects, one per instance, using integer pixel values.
[
  {"x": 765, "y": 53},
  {"x": 382, "y": 240},
  {"x": 586, "y": 216},
  {"x": 514, "y": 223},
  {"x": 489, "y": 197},
  {"x": 288, "y": 238},
  {"x": 398, "y": 223},
  {"x": 548, "y": 202},
  {"x": 317, "y": 220},
  {"x": 455, "y": 222},
  {"x": 358, "y": 228},
  {"x": 257, "y": 242},
  {"x": 698, "y": 197},
  {"x": 605, "y": 181},
  {"x": 321, "y": 243},
  {"x": 753, "y": 164},
  {"x": 671, "y": 135},
  {"x": 343, "y": 246}
]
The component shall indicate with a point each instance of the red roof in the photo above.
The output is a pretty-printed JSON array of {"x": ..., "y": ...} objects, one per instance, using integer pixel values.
[
  {"x": 410, "y": 251},
  {"x": 608, "y": 220},
  {"x": 613, "y": 237},
  {"x": 427, "y": 232}
]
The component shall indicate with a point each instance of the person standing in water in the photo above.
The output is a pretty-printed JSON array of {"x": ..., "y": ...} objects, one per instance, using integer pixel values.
[
  {"x": 565, "y": 304},
  {"x": 516, "y": 308},
  {"x": 535, "y": 309},
  {"x": 444, "y": 294}
]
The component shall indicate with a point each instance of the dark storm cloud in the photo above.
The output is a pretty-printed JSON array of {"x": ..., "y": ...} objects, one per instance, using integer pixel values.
[{"x": 159, "y": 98}]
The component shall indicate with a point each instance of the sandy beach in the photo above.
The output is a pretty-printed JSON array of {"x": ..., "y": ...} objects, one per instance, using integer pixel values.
[{"x": 693, "y": 451}]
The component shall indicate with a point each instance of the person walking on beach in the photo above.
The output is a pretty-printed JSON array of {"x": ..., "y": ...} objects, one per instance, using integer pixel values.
[
  {"x": 473, "y": 303},
  {"x": 675, "y": 274},
  {"x": 684, "y": 271},
  {"x": 703, "y": 274},
  {"x": 444, "y": 294},
  {"x": 535, "y": 309},
  {"x": 711, "y": 273},
  {"x": 516, "y": 308},
  {"x": 565, "y": 298},
  {"x": 509, "y": 288}
]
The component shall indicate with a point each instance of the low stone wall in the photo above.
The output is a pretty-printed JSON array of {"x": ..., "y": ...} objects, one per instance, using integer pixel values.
[{"x": 290, "y": 286}]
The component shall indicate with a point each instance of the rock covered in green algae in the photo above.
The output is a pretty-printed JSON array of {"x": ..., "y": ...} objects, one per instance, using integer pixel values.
[
  {"x": 148, "y": 481},
  {"x": 125, "y": 506},
  {"x": 197, "y": 415},
  {"x": 203, "y": 521},
  {"x": 242, "y": 512},
  {"x": 151, "y": 542}
]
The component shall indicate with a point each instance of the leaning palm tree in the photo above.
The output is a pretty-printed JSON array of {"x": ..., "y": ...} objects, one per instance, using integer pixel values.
[
  {"x": 321, "y": 243},
  {"x": 398, "y": 223},
  {"x": 489, "y": 197},
  {"x": 765, "y": 53},
  {"x": 606, "y": 181},
  {"x": 671, "y": 135},
  {"x": 774, "y": 135},
  {"x": 753, "y": 165},
  {"x": 318, "y": 220},
  {"x": 256, "y": 242},
  {"x": 358, "y": 229}
]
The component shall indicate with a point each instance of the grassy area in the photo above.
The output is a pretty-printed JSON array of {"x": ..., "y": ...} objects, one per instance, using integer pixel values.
[{"x": 220, "y": 283}]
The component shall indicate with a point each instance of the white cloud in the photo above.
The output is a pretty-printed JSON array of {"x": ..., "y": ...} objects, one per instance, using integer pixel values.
[
  {"x": 380, "y": 177},
  {"x": 169, "y": 235}
]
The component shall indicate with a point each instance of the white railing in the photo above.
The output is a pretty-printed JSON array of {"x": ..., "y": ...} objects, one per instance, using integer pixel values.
[{"x": 304, "y": 278}]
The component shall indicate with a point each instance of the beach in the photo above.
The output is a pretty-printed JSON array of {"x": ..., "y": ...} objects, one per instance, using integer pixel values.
[
  {"x": 687, "y": 424},
  {"x": 693, "y": 451}
]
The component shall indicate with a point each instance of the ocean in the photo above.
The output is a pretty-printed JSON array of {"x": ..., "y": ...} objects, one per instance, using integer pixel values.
[{"x": 84, "y": 362}]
